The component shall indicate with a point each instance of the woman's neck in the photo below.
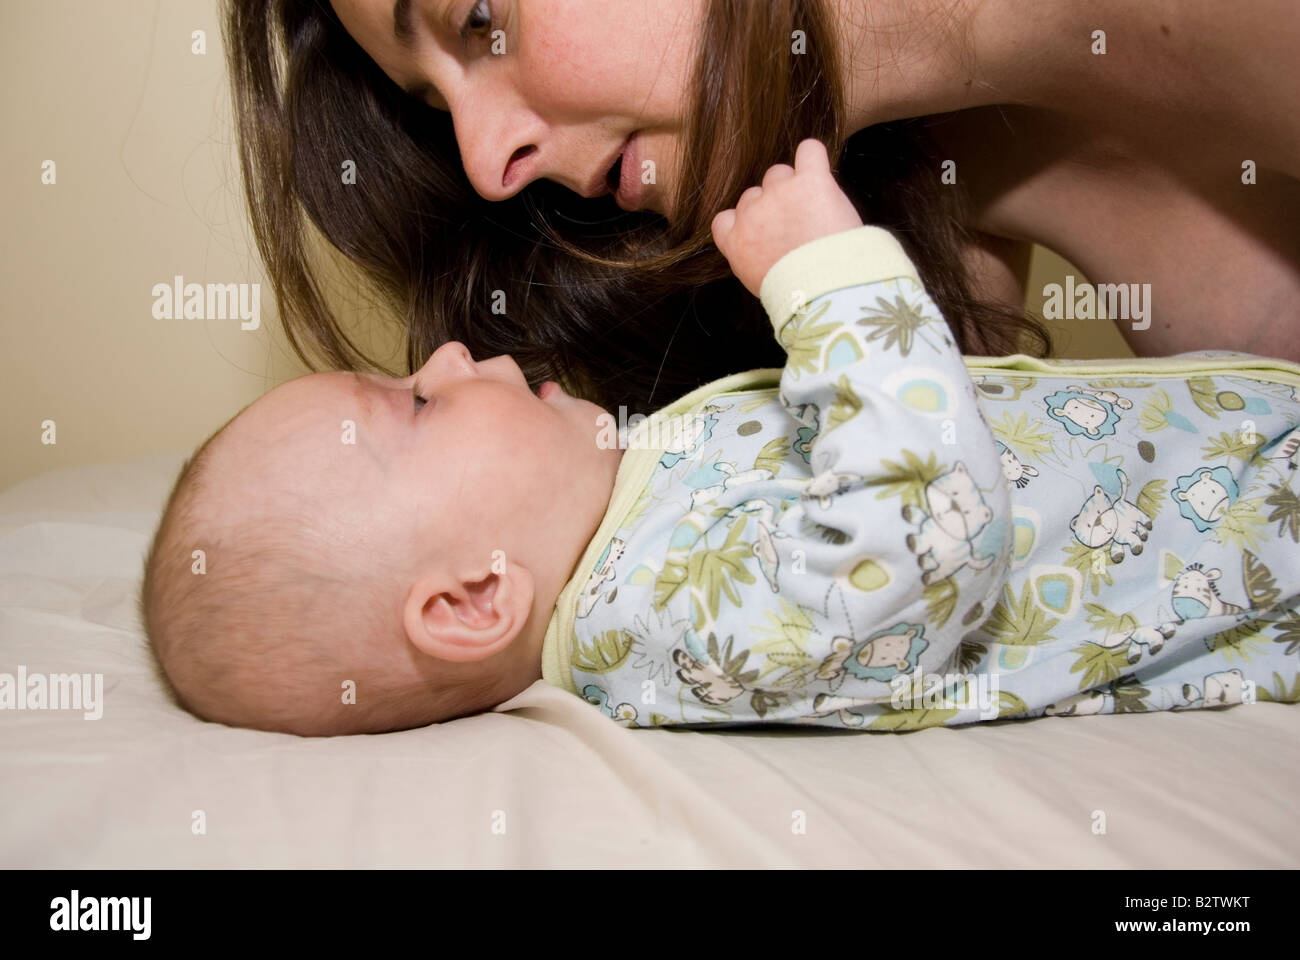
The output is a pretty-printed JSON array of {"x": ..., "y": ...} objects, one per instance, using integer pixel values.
[{"x": 913, "y": 58}]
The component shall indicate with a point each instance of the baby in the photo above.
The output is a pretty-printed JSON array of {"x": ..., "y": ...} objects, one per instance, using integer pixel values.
[{"x": 881, "y": 535}]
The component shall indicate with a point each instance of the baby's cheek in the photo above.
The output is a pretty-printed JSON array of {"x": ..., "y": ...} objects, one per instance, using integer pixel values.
[{"x": 524, "y": 443}]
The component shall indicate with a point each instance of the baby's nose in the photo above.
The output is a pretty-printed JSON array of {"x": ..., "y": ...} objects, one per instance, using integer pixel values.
[
  {"x": 453, "y": 357},
  {"x": 454, "y": 349}
]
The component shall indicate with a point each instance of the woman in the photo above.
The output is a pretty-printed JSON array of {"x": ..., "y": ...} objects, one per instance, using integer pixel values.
[{"x": 456, "y": 150}]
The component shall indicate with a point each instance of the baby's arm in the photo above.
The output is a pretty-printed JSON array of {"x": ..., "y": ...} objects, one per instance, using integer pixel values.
[{"x": 907, "y": 505}]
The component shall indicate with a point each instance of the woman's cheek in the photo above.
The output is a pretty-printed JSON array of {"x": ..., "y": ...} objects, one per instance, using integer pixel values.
[{"x": 620, "y": 59}]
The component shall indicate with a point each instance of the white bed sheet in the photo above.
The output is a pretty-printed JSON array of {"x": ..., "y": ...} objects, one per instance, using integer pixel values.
[{"x": 547, "y": 780}]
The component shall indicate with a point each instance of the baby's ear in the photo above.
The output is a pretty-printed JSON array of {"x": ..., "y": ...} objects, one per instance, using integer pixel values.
[{"x": 469, "y": 617}]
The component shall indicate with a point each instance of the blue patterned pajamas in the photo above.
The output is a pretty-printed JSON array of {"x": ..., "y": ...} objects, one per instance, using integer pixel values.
[{"x": 884, "y": 535}]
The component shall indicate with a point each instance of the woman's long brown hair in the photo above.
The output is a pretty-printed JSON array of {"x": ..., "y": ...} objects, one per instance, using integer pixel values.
[{"x": 624, "y": 309}]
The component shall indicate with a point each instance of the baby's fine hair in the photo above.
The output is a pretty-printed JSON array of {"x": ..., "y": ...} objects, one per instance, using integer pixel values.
[{"x": 257, "y": 620}]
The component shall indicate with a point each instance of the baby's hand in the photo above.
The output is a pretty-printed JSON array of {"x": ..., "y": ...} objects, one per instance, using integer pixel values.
[{"x": 792, "y": 207}]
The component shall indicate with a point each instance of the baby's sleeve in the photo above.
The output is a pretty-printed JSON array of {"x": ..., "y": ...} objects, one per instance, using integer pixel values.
[{"x": 907, "y": 508}]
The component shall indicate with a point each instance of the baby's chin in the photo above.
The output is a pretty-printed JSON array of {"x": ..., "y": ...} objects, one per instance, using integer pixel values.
[
  {"x": 588, "y": 417},
  {"x": 600, "y": 429}
]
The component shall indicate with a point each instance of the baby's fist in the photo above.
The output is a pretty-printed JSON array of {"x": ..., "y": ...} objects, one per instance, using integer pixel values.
[{"x": 794, "y": 205}]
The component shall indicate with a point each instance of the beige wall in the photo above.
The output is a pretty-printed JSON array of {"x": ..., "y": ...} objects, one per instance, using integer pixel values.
[
  {"x": 147, "y": 188},
  {"x": 138, "y": 128}
]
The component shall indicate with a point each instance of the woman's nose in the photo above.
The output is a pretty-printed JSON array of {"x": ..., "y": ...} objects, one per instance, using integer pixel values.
[{"x": 499, "y": 146}]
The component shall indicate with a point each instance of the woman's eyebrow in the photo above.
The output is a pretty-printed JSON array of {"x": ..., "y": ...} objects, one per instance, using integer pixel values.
[
  {"x": 404, "y": 32},
  {"x": 402, "y": 28}
]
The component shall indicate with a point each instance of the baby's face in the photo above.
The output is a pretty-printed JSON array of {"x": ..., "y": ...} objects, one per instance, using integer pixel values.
[{"x": 462, "y": 456}]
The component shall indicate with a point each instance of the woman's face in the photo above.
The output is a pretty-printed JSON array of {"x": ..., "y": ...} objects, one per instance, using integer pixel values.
[{"x": 557, "y": 94}]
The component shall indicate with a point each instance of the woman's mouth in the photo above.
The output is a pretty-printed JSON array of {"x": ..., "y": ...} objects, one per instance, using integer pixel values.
[{"x": 622, "y": 178}]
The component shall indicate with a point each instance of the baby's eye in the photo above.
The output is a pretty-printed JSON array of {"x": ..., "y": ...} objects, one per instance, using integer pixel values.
[{"x": 419, "y": 401}]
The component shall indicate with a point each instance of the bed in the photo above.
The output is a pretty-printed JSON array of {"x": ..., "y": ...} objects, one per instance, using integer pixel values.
[{"x": 547, "y": 780}]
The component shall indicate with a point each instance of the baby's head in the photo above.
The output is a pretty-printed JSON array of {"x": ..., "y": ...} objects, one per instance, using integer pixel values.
[{"x": 357, "y": 554}]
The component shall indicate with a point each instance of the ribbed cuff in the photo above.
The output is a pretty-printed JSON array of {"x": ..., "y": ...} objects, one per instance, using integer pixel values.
[{"x": 845, "y": 259}]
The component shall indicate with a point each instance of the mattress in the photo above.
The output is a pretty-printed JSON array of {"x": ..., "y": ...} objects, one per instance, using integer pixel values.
[{"x": 545, "y": 779}]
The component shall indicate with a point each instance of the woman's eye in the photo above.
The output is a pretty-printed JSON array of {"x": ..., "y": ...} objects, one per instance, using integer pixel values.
[
  {"x": 479, "y": 19},
  {"x": 419, "y": 402}
]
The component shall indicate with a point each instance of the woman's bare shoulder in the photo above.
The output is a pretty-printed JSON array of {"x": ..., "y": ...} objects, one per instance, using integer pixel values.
[{"x": 1174, "y": 66}]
